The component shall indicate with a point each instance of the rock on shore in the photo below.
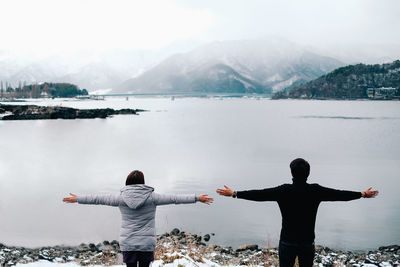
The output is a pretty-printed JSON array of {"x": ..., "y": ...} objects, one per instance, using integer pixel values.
[
  {"x": 33, "y": 112},
  {"x": 187, "y": 249}
]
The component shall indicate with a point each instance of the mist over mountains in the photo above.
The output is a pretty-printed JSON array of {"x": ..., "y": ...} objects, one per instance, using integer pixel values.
[
  {"x": 92, "y": 70},
  {"x": 88, "y": 69},
  {"x": 242, "y": 66}
]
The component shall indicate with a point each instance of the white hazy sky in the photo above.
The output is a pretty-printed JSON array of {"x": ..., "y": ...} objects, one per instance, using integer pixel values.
[{"x": 52, "y": 26}]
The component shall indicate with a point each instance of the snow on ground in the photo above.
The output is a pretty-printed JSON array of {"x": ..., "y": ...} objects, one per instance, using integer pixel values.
[
  {"x": 187, "y": 262},
  {"x": 44, "y": 263}
]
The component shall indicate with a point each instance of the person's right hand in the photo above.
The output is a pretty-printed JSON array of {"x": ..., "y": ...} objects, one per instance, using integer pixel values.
[
  {"x": 206, "y": 199},
  {"x": 370, "y": 193},
  {"x": 71, "y": 199},
  {"x": 225, "y": 192}
]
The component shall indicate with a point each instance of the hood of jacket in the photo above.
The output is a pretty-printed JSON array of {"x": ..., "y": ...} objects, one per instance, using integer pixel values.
[{"x": 136, "y": 195}]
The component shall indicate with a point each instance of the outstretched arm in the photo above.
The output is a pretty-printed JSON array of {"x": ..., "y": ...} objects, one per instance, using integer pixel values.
[
  {"x": 267, "y": 194},
  {"x": 108, "y": 200},
  {"x": 329, "y": 194},
  {"x": 161, "y": 199}
]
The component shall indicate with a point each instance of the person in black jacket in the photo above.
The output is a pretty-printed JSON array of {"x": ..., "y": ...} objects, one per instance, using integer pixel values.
[{"x": 298, "y": 203}]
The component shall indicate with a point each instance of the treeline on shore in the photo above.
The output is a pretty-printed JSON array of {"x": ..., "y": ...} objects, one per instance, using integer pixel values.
[
  {"x": 38, "y": 90},
  {"x": 360, "y": 81}
]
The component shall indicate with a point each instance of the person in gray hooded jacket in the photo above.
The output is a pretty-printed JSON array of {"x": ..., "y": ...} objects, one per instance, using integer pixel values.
[{"x": 137, "y": 203}]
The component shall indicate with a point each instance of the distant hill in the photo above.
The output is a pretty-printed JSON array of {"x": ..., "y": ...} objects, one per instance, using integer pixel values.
[
  {"x": 350, "y": 82},
  {"x": 243, "y": 66}
]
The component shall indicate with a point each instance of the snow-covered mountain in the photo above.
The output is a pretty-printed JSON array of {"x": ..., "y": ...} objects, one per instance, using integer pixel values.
[
  {"x": 32, "y": 73},
  {"x": 95, "y": 76},
  {"x": 90, "y": 76},
  {"x": 7, "y": 67},
  {"x": 86, "y": 72},
  {"x": 244, "y": 66},
  {"x": 88, "y": 69}
]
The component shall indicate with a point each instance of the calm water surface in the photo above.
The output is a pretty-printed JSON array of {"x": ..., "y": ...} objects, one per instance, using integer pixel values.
[{"x": 194, "y": 145}]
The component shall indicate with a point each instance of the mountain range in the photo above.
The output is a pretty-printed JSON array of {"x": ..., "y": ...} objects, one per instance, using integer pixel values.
[
  {"x": 259, "y": 66},
  {"x": 91, "y": 70},
  {"x": 243, "y": 66}
]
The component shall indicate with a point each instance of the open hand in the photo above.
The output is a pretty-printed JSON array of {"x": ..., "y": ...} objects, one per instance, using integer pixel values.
[
  {"x": 71, "y": 199},
  {"x": 206, "y": 199},
  {"x": 370, "y": 193},
  {"x": 225, "y": 192}
]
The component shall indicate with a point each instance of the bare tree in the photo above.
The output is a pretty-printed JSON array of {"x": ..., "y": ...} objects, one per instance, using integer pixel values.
[
  {"x": 35, "y": 91},
  {"x": 1, "y": 90}
]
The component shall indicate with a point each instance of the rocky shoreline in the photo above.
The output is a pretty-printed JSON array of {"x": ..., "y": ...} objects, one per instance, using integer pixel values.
[
  {"x": 33, "y": 112},
  {"x": 177, "y": 246}
]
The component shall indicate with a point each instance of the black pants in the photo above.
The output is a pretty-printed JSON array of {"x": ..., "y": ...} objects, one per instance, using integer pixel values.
[
  {"x": 141, "y": 264},
  {"x": 138, "y": 258},
  {"x": 289, "y": 251}
]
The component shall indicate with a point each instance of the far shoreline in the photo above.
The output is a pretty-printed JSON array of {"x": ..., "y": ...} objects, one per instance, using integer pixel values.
[{"x": 183, "y": 96}]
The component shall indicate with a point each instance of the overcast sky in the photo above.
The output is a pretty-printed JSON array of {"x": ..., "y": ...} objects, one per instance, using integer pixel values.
[{"x": 55, "y": 26}]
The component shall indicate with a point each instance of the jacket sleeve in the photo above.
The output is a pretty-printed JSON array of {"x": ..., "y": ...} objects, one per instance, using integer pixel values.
[
  {"x": 108, "y": 200},
  {"x": 267, "y": 194},
  {"x": 329, "y": 194},
  {"x": 161, "y": 199}
]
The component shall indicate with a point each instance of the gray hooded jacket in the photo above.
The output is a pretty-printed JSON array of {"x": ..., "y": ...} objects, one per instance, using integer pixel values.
[{"x": 137, "y": 204}]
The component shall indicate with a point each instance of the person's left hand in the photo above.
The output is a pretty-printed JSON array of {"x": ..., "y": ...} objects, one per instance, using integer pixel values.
[
  {"x": 71, "y": 199},
  {"x": 206, "y": 199}
]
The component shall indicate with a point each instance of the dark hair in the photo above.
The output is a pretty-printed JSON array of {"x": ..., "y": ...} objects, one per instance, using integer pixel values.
[
  {"x": 135, "y": 177},
  {"x": 300, "y": 169}
]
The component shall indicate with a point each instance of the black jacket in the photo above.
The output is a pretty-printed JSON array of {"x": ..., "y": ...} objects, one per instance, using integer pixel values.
[{"x": 298, "y": 203}]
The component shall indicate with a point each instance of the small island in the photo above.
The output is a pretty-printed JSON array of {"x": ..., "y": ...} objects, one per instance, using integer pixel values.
[
  {"x": 374, "y": 82},
  {"x": 33, "y": 112}
]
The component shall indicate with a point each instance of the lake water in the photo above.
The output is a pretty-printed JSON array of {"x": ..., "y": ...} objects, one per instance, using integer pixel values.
[{"x": 195, "y": 145}]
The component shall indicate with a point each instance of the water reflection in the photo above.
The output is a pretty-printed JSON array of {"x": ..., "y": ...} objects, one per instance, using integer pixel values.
[{"x": 197, "y": 146}]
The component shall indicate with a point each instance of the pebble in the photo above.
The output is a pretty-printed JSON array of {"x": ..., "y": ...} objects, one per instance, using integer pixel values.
[
  {"x": 247, "y": 247},
  {"x": 206, "y": 237},
  {"x": 175, "y": 231},
  {"x": 175, "y": 243}
]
